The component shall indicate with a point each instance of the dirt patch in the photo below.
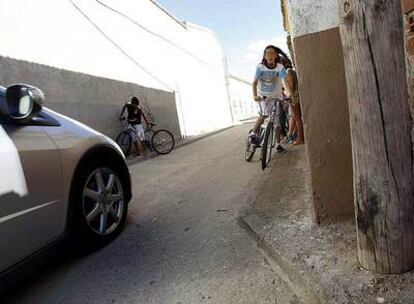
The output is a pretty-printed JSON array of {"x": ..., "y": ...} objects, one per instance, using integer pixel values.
[{"x": 322, "y": 260}]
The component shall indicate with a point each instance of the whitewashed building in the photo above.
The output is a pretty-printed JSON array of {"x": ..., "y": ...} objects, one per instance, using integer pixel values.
[
  {"x": 241, "y": 96},
  {"x": 133, "y": 41}
]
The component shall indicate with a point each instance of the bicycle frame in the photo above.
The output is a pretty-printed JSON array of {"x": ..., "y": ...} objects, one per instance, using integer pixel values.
[
  {"x": 130, "y": 129},
  {"x": 276, "y": 103}
]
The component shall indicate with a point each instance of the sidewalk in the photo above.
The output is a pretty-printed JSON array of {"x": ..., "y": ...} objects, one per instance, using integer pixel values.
[{"x": 319, "y": 264}]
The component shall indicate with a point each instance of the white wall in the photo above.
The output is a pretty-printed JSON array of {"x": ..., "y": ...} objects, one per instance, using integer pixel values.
[
  {"x": 131, "y": 40},
  {"x": 241, "y": 93},
  {"x": 310, "y": 16}
]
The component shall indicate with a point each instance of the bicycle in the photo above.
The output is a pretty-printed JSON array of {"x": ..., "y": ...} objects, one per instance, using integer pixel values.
[
  {"x": 267, "y": 139},
  {"x": 161, "y": 141}
]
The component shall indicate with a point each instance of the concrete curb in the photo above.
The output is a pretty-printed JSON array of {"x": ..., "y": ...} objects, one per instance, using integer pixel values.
[
  {"x": 178, "y": 144},
  {"x": 296, "y": 282}
]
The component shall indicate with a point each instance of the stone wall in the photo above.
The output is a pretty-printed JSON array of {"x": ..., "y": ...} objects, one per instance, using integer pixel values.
[{"x": 95, "y": 101}]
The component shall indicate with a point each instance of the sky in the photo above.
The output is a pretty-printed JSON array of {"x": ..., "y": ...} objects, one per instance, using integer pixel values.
[{"x": 244, "y": 27}]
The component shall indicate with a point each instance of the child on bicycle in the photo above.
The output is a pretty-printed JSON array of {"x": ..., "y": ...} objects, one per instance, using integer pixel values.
[
  {"x": 267, "y": 86},
  {"x": 134, "y": 118}
]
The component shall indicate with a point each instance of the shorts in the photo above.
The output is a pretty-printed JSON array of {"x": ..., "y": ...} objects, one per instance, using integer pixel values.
[
  {"x": 266, "y": 108},
  {"x": 139, "y": 134}
]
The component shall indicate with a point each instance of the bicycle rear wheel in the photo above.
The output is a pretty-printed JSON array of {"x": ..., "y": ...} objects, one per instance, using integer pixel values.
[
  {"x": 163, "y": 141},
  {"x": 250, "y": 149},
  {"x": 267, "y": 146},
  {"x": 124, "y": 141}
]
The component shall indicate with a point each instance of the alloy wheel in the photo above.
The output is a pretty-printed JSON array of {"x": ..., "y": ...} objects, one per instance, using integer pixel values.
[{"x": 103, "y": 201}]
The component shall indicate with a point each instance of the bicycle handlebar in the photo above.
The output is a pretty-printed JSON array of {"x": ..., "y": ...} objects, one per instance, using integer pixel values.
[
  {"x": 122, "y": 119},
  {"x": 263, "y": 98}
]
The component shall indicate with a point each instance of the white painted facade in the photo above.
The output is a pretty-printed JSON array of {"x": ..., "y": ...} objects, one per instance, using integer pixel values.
[
  {"x": 241, "y": 95},
  {"x": 310, "y": 16},
  {"x": 133, "y": 41}
]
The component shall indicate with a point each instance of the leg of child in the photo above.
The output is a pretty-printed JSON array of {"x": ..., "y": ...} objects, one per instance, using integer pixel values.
[
  {"x": 141, "y": 141},
  {"x": 292, "y": 124},
  {"x": 137, "y": 149},
  {"x": 299, "y": 124},
  {"x": 259, "y": 121}
]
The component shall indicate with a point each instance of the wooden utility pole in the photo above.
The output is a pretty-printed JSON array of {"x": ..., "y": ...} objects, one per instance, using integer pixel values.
[{"x": 373, "y": 44}]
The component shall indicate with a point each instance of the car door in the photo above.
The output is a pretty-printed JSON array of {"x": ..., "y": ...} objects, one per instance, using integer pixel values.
[{"x": 31, "y": 192}]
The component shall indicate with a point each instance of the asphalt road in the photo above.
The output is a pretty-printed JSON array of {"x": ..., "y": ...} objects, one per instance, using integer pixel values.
[{"x": 182, "y": 243}]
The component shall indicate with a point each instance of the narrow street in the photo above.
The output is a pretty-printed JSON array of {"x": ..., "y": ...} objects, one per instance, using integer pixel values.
[{"x": 182, "y": 243}]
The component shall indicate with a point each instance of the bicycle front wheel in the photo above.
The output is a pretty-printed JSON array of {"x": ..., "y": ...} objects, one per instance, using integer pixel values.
[
  {"x": 124, "y": 141},
  {"x": 267, "y": 146},
  {"x": 163, "y": 141}
]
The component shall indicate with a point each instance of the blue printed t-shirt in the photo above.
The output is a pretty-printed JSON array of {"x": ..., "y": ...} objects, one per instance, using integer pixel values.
[{"x": 270, "y": 80}]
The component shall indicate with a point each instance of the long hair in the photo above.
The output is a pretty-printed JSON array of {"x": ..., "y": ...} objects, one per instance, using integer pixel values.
[{"x": 279, "y": 53}]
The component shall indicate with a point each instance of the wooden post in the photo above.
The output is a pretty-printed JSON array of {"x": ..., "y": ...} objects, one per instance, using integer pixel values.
[{"x": 373, "y": 43}]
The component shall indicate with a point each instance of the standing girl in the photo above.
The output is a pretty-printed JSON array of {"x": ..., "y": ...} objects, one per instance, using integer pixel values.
[{"x": 291, "y": 85}]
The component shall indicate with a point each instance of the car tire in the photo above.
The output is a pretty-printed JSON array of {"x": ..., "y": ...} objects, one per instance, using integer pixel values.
[{"x": 99, "y": 205}]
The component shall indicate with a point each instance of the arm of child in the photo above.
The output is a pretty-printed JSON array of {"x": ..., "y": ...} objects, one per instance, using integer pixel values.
[
  {"x": 289, "y": 82},
  {"x": 122, "y": 112},
  {"x": 256, "y": 98},
  {"x": 255, "y": 83}
]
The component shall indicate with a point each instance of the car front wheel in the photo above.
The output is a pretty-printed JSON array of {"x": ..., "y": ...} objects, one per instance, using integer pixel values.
[{"x": 100, "y": 204}]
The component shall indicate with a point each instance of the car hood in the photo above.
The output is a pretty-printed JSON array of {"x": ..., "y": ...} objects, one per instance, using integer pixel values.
[{"x": 73, "y": 130}]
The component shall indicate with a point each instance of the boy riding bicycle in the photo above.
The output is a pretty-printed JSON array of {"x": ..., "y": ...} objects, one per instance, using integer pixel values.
[{"x": 267, "y": 86}]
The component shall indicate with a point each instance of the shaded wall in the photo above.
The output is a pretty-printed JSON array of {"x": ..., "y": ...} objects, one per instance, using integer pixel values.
[
  {"x": 324, "y": 101},
  {"x": 317, "y": 47},
  {"x": 95, "y": 101}
]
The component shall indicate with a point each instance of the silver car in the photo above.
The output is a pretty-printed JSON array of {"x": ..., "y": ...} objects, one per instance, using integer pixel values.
[{"x": 58, "y": 177}]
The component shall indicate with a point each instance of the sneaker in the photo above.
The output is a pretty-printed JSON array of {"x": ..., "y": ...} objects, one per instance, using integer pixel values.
[
  {"x": 280, "y": 149},
  {"x": 287, "y": 140},
  {"x": 290, "y": 141}
]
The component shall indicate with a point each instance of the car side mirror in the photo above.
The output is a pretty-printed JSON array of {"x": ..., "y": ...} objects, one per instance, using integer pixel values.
[{"x": 23, "y": 101}]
